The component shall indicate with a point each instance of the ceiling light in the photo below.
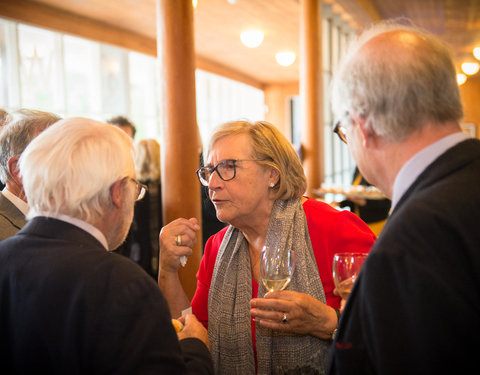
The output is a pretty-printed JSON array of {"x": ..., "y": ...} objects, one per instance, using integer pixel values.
[
  {"x": 461, "y": 78},
  {"x": 470, "y": 68},
  {"x": 285, "y": 58},
  {"x": 252, "y": 38},
  {"x": 476, "y": 53}
]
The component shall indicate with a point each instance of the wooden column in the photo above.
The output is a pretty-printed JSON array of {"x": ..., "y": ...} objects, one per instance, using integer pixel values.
[
  {"x": 180, "y": 138},
  {"x": 311, "y": 89}
]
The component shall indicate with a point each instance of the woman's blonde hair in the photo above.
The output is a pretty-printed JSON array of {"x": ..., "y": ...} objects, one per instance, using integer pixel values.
[
  {"x": 147, "y": 160},
  {"x": 273, "y": 149}
]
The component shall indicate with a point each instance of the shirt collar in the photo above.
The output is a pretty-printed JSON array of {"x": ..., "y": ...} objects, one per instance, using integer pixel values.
[
  {"x": 420, "y": 161},
  {"x": 78, "y": 223},
  {"x": 16, "y": 201}
]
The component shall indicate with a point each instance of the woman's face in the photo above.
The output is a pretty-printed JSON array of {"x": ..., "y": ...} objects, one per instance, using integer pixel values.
[{"x": 246, "y": 199}]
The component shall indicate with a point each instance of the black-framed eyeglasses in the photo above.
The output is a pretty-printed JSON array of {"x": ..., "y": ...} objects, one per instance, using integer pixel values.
[
  {"x": 341, "y": 131},
  {"x": 226, "y": 170},
  {"x": 140, "y": 189}
]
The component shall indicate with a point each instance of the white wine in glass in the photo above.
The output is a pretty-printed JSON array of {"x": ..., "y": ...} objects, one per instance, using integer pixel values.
[
  {"x": 276, "y": 267},
  {"x": 346, "y": 267}
]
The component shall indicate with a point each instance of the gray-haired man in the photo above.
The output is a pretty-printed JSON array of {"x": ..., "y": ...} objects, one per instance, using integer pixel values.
[{"x": 20, "y": 128}]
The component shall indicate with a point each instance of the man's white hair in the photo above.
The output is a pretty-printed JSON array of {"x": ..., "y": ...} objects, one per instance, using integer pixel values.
[{"x": 70, "y": 167}]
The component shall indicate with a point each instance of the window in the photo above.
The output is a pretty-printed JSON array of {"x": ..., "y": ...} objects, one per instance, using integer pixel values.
[
  {"x": 339, "y": 164},
  {"x": 144, "y": 97},
  {"x": 38, "y": 69},
  {"x": 73, "y": 76},
  {"x": 221, "y": 99},
  {"x": 82, "y": 78}
]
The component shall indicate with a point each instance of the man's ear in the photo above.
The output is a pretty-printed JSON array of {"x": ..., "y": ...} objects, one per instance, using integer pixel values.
[
  {"x": 116, "y": 191},
  {"x": 368, "y": 136},
  {"x": 14, "y": 171}
]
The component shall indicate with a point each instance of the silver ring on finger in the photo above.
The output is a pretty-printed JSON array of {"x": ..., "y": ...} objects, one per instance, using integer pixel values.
[{"x": 284, "y": 320}]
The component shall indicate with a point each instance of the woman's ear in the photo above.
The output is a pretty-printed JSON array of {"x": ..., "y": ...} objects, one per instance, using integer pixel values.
[{"x": 274, "y": 177}]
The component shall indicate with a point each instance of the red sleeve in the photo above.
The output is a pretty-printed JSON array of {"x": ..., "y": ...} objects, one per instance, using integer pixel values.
[
  {"x": 204, "y": 277},
  {"x": 333, "y": 231}
]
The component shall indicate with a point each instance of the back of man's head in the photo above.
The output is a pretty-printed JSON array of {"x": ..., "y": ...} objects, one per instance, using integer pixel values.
[
  {"x": 20, "y": 128},
  {"x": 398, "y": 78},
  {"x": 70, "y": 168}
]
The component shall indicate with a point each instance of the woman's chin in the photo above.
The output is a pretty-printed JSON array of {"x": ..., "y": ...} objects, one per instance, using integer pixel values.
[{"x": 223, "y": 215}]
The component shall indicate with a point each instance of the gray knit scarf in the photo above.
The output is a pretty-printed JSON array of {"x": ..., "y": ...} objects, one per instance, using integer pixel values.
[{"x": 229, "y": 328}]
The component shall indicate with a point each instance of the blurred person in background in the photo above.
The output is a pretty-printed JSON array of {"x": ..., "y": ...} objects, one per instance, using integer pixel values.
[
  {"x": 123, "y": 123},
  {"x": 128, "y": 127},
  {"x": 20, "y": 128},
  {"x": 3, "y": 117},
  {"x": 372, "y": 211},
  {"x": 147, "y": 220}
]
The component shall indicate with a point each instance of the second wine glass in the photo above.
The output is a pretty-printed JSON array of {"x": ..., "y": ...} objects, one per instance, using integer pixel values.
[
  {"x": 276, "y": 267},
  {"x": 346, "y": 267}
]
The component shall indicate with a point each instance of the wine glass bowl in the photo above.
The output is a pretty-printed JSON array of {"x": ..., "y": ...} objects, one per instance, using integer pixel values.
[
  {"x": 276, "y": 267},
  {"x": 346, "y": 267}
]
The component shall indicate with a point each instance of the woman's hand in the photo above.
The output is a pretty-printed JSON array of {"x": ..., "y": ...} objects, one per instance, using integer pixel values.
[
  {"x": 305, "y": 314},
  {"x": 176, "y": 240}
]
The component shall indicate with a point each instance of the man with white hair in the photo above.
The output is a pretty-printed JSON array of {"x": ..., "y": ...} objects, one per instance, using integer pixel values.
[
  {"x": 415, "y": 306},
  {"x": 68, "y": 305},
  {"x": 20, "y": 128}
]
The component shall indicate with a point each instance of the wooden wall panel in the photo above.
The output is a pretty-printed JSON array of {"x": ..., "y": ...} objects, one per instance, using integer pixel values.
[
  {"x": 277, "y": 101},
  {"x": 470, "y": 92}
]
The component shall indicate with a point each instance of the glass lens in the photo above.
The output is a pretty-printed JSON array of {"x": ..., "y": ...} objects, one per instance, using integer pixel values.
[
  {"x": 226, "y": 169},
  {"x": 141, "y": 190},
  {"x": 204, "y": 175},
  {"x": 341, "y": 132}
]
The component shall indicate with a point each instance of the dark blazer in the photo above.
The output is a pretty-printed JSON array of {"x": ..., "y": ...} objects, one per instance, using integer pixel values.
[
  {"x": 415, "y": 308},
  {"x": 67, "y": 306},
  {"x": 11, "y": 218}
]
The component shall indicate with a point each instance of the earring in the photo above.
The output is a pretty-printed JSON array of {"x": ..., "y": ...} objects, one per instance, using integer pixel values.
[{"x": 272, "y": 184}]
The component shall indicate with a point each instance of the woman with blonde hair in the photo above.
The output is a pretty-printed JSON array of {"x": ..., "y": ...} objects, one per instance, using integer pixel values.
[
  {"x": 147, "y": 221},
  {"x": 257, "y": 185}
]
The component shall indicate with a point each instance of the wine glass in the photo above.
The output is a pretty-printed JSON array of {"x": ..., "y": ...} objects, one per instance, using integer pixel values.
[
  {"x": 346, "y": 267},
  {"x": 276, "y": 267}
]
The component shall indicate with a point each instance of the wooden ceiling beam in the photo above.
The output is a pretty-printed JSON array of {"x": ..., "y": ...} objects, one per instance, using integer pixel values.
[
  {"x": 370, "y": 9},
  {"x": 216, "y": 68},
  {"x": 44, "y": 16}
]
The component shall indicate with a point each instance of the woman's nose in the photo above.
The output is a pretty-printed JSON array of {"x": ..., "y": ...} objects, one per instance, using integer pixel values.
[{"x": 214, "y": 181}]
